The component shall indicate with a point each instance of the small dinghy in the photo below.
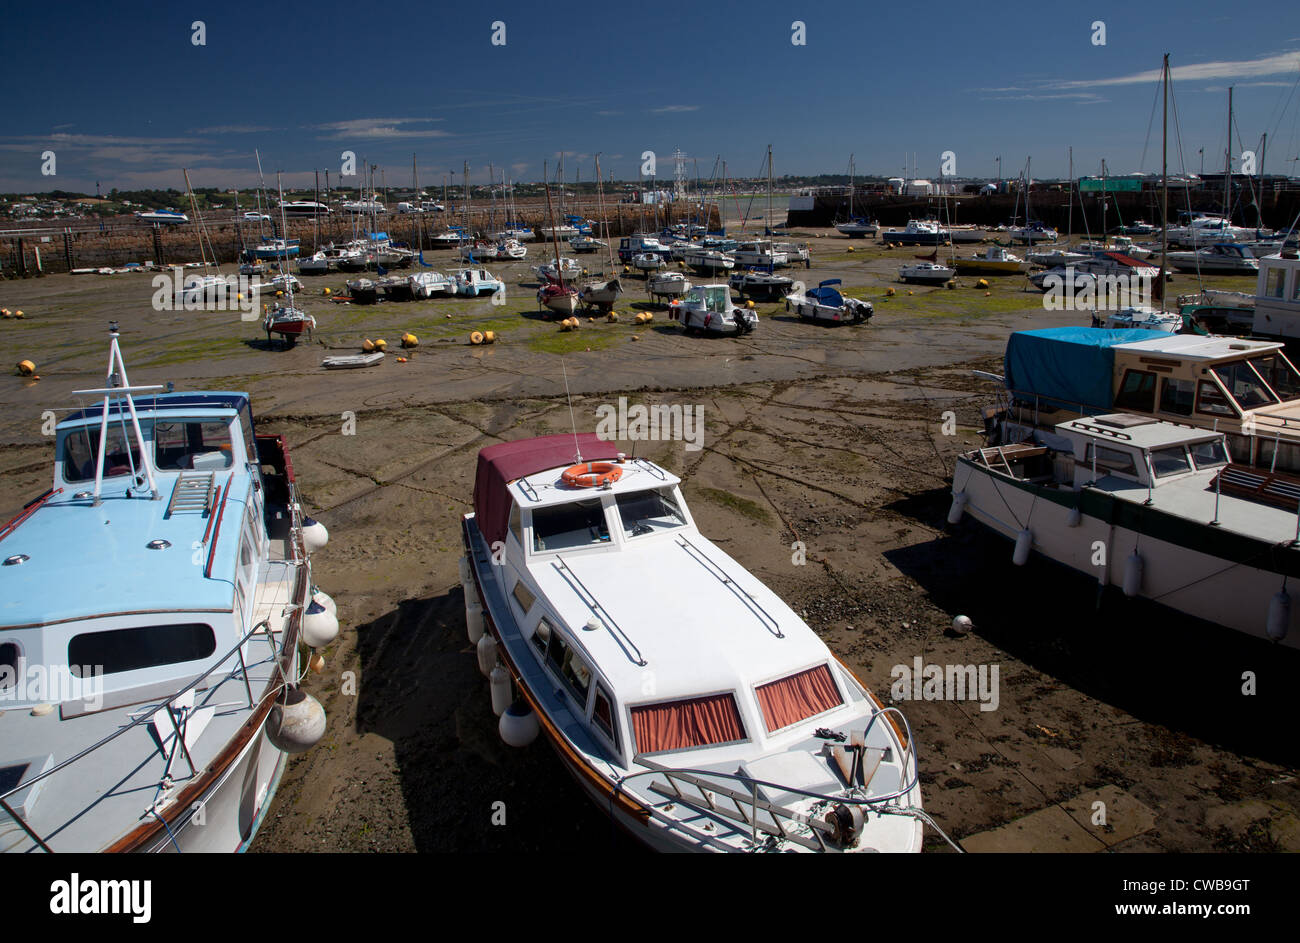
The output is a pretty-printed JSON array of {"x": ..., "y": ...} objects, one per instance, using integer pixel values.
[{"x": 353, "y": 361}]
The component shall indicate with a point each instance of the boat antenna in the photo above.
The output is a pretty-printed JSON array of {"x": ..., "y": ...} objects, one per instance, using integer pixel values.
[{"x": 577, "y": 449}]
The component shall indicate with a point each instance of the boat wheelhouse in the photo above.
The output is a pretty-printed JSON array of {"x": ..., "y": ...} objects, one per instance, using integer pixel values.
[
  {"x": 159, "y": 590},
  {"x": 1247, "y": 389},
  {"x": 1182, "y": 525},
  {"x": 688, "y": 701}
]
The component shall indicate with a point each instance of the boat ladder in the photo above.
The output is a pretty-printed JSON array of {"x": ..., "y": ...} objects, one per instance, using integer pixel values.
[
  {"x": 193, "y": 492},
  {"x": 707, "y": 802}
]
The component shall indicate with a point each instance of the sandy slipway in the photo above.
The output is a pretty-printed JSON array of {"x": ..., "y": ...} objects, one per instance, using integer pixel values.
[{"x": 831, "y": 437}]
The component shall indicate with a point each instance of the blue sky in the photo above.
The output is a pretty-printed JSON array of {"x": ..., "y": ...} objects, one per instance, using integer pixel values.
[{"x": 122, "y": 95}]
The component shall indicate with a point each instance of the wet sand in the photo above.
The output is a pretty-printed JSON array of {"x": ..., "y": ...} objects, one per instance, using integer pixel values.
[{"x": 829, "y": 436}]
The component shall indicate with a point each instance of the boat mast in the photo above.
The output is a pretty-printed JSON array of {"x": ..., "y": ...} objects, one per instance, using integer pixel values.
[
  {"x": 284, "y": 242},
  {"x": 768, "y": 228},
  {"x": 1227, "y": 163},
  {"x": 555, "y": 239},
  {"x": 600, "y": 197},
  {"x": 1069, "y": 225},
  {"x": 1103, "y": 201},
  {"x": 465, "y": 206},
  {"x": 850, "y": 188},
  {"x": 1164, "y": 184}
]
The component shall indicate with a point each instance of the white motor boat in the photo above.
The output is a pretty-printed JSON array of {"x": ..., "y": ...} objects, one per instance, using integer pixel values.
[
  {"x": 1224, "y": 258},
  {"x": 753, "y": 736},
  {"x": 926, "y": 273},
  {"x": 858, "y": 228},
  {"x": 586, "y": 244},
  {"x": 795, "y": 253},
  {"x": 1034, "y": 232},
  {"x": 916, "y": 233},
  {"x": 1141, "y": 318},
  {"x": 299, "y": 209},
  {"x": 1181, "y": 525},
  {"x": 155, "y": 599},
  {"x": 1051, "y": 258},
  {"x": 710, "y": 310},
  {"x": 363, "y": 207},
  {"x": 668, "y": 285},
  {"x": 555, "y": 268},
  {"x": 710, "y": 261},
  {"x": 428, "y": 284},
  {"x": 765, "y": 286},
  {"x": 759, "y": 254},
  {"x": 648, "y": 262},
  {"x": 825, "y": 303}
]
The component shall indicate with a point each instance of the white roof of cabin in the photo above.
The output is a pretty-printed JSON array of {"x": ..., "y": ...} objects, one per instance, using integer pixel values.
[
  {"x": 545, "y": 488},
  {"x": 1196, "y": 347},
  {"x": 1122, "y": 429}
]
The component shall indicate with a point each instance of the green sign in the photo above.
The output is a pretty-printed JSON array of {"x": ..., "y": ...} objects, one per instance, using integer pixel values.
[{"x": 1110, "y": 185}]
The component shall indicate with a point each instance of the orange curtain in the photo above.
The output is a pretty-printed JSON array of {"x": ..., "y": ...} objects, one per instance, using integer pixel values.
[
  {"x": 677, "y": 725},
  {"x": 797, "y": 697}
]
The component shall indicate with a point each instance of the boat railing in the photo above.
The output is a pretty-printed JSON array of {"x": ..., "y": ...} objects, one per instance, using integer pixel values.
[
  {"x": 598, "y": 609},
  {"x": 177, "y": 714},
  {"x": 702, "y": 789},
  {"x": 769, "y": 622}
]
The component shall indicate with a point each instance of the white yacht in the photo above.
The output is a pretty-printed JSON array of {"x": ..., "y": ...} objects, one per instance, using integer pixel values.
[{"x": 689, "y": 702}]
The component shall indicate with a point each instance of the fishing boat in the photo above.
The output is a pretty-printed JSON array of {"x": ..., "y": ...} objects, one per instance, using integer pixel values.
[
  {"x": 710, "y": 310},
  {"x": 1181, "y": 523},
  {"x": 926, "y": 273},
  {"x": 753, "y": 737},
  {"x": 916, "y": 233},
  {"x": 1221, "y": 258},
  {"x": 353, "y": 361},
  {"x": 825, "y": 303},
  {"x": 155, "y": 598},
  {"x": 668, "y": 285},
  {"x": 765, "y": 286},
  {"x": 994, "y": 260}
]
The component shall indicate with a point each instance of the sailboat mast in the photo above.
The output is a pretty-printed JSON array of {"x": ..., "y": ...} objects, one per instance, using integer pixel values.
[
  {"x": 1227, "y": 162},
  {"x": 465, "y": 208},
  {"x": 850, "y": 188},
  {"x": 555, "y": 239},
  {"x": 1069, "y": 225},
  {"x": 768, "y": 227},
  {"x": 600, "y": 198},
  {"x": 1164, "y": 184}
]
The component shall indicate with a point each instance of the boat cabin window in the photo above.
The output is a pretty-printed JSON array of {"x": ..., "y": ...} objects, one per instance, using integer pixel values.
[
  {"x": 516, "y": 527},
  {"x": 81, "y": 451},
  {"x": 1209, "y": 454},
  {"x": 1276, "y": 283},
  {"x": 1112, "y": 460},
  {"x": 646, "y": 512},
  {"x": 1279, "y": 374},
  {"x": 1170, "y": 461},
  {"x": 1211, "y": 401},
  {"x": 717, "y": 299},
  {"x": 542, "y": 636},
  {"x": 1176, "y": 396},
  {"x": 1138, "y": 391},
  {"x": 1244, "y": 385},
  {"x": 569, "y": 666},
  {"x": 602, "y": 714},
  {"x": 686, "y": 724},
  {"x": 565, "y": 526},
  {"x": 199, "y": 445},
  {"x": 523, "y": 596},
  {"x": 797, "y": 697},
  {"x": 146, "y": 646}
]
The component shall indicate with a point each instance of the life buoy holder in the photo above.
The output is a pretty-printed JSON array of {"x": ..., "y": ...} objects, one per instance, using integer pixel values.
[{"x": 591, "y": 474}]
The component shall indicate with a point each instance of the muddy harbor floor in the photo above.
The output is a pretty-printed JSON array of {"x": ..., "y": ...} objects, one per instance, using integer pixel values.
[{"x": 829, "y": 436}]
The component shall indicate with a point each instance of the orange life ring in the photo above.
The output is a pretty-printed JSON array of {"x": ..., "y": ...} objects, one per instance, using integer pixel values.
[{"x": 591, "y": 474}]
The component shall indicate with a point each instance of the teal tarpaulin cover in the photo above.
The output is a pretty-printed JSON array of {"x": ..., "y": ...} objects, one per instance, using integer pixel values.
[{"x": 1067, "y": 366}]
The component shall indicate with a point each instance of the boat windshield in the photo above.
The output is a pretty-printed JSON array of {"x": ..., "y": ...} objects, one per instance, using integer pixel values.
[
  {"x": 648, "y": 512},
  {"x": 81, "y": 450},
  {"x": 182, "y": 445},
  {"x": 1170, "y": 461},
  {"x": 717, "y": 299},
  {"x": 1244, "y": 385},
  {"x": 1278, "y": 374},
  {"x": 565, "y": 526}
]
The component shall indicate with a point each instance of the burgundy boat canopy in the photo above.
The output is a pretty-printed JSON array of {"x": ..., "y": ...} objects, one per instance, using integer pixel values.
[{"x": 498, "y": 465}]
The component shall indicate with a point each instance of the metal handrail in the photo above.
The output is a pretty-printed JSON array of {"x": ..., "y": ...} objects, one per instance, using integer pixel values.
[
  {"x": 750, "y": 602},
  {"x": 168, "y": 705},
  {"x": 695, "y": 776},
  {"x": 598, "y": 609}
]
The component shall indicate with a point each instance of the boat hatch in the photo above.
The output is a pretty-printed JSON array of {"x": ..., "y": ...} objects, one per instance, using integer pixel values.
[{"x": 1275, "y": 488}]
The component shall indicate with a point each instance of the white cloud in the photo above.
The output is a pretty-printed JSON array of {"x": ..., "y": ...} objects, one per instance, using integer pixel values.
[
  {"x": 1242, "y": 68},
  {"x": 666, "y": 109}
]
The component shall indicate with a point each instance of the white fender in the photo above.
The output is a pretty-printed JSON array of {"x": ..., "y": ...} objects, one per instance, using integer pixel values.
[{"x": 1024, "y": 541}]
